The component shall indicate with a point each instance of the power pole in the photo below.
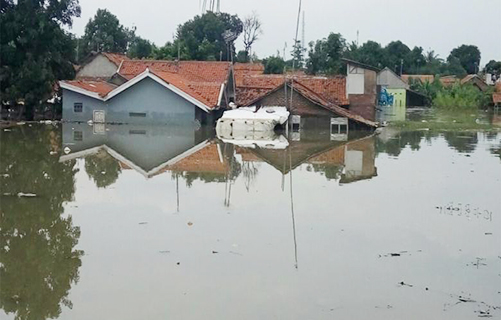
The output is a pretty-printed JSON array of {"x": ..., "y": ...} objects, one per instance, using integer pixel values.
[{"x": 303, "y": 41}]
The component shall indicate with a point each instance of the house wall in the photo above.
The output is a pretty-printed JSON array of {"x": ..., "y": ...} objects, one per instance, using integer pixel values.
[
  {"x": 160, "y": 105},
  {"x": 100, "y": 67},
  {"x": 388, "y": 79},
  {"x": 300, "y": 105},
  {"x": 399, "y": 97},
  {"x": 370, "y": 81},
  {"x": 355, "y": 78},
  {"x": 364, "y": 105}
]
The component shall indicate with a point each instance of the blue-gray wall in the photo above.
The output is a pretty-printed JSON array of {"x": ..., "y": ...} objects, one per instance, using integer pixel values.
[
  {"x": 146, "y": 146},
  {"x": 161, "y": 105}
]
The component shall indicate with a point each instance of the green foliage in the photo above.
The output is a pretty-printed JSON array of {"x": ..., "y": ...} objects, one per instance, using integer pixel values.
[
  {"x": 274, "y": 65},
  {"x": 493, "y": 67},
  {"x": 35, "y": 51},
  {"x": 38, "y": 260},
  {"x": 104, "y": 33},
  {"x": 243, "y": 56},
  {"x": 140, "y": 48},
  {"x": 324, "y": 56},
  {"x": 467, "y": 56},
  {"x": 202, "y": 37},
  {"x": 298, "y": 55},
  {"x": 102, "y": 168},
  {"x": 460, "y": 97},
  {"x": 429, "y": 89}
]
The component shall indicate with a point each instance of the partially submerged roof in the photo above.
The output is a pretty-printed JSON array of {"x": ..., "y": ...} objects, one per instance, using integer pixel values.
[
  {"x": 201, "y": 83},
  {"x": 202, "y": 80},
  {"x": 99, "y": 87},
  {"x": 475, "y": 80},
  {"x": 448, "y": 80},
  {"x": 250, "y": 88}
]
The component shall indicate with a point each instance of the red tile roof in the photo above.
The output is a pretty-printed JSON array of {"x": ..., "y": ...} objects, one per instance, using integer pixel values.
[
  {"x": 249, "y": 68},
  {"x": 200, "y": 79},
  {"x": 116, "y": 58},
  {"x": 252, "y": 87},
  {"x": 100, "y": 87}
]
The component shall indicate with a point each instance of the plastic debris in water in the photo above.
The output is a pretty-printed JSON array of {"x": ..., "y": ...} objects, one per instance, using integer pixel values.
[
  {"x": 67, "y": 150},
  {"x": 22, "y": 194}
]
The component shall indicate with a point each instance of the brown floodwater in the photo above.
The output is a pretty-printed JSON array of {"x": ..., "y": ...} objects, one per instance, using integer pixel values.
[{"x": 127, "y": 222}]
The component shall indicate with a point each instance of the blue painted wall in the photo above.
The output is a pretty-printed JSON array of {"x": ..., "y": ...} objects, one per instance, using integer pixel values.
[{"x": 160, "y": 105}]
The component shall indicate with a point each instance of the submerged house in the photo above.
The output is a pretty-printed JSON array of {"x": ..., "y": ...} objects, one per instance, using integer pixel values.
[
  {"x": 403, "y": 95},
  {"x": 361, "y": 88},
  {"x": 314, "y": 102},
  {"x": 100, "y": 65},
  {"x": 149, "y": 91}
]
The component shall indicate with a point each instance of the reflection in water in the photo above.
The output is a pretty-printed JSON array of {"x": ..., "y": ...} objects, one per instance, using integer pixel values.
[
  {"x": 38, "y": 261},
  {"x": 296, "y": 223},
  {"x": 190, "y": 154}
]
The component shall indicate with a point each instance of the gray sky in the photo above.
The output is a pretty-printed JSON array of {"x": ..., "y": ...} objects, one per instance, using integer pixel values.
[{"x": 437, "y": 24}]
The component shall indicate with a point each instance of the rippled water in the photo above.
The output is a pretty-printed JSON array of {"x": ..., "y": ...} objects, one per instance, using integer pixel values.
[{"x": 121, "y": 222}]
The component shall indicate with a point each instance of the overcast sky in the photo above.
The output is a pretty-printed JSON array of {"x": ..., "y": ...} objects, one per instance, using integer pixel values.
[{"x": 440, "y": 25}]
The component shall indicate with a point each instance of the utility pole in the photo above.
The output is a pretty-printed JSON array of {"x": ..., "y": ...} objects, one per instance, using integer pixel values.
[{"x": 303, "y": 41}]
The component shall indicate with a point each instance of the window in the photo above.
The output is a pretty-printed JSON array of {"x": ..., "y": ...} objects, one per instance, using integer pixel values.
[
  {"x": 77, "y": 107},
  {"x": 137, "y": 114},
  {"x": 137, "y": 131},
  {"x": 77, "y": 135}
]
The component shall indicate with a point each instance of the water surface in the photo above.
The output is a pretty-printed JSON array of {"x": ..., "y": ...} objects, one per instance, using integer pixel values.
[{"x": 127, "y": 222}]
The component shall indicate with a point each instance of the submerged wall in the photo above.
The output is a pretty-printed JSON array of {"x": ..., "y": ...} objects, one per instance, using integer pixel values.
[{"x": 144, "y": 103}]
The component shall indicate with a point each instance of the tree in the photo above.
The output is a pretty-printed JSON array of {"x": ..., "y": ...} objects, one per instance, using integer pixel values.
[
  {"x": 140, "y": 48},
  {"x": 35, "y": 51},
  {"x": 274, "y": 65},
  {"x": 493, "y": 67},
  {"x": 102, "y": 168},
  {"x": 105, "y": 33},
  {"x": 373, "y": 54},
  {"x": 202, "y": 37},
  {"x": 396, "y": 53},
  {"x": 251, "y": 31},
  {"x": 242, "y": 56},
  {"x": 468, "y": 57},
  {"x": 298, "y": 55},
  {"x": 325, "y": 55},
  {"x": 38, "y": 260}
]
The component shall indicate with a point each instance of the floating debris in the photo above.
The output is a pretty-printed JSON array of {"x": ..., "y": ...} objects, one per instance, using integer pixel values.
[
  {"x": 164, "y": 251},
  {"x": 144, "y": 222},
  {"x": 190, "y": 224},
  {"x": 53, "y": 153},
  {"x": 214, "y": 252},
  {"x": 67, "y": 150},
  {"x": 22, "y": 194},
  {"x": 7, "y": 130}
]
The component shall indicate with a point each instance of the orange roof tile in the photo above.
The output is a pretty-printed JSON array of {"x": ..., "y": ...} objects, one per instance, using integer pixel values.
[
  {"x": 100, "y": 87},
  {"x": 116, "y": 58},
  {"x": 200, "y": 79},
  {"x": 252, "y": 87}
]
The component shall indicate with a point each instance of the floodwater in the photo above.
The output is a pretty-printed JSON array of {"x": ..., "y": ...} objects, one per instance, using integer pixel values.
[{"x": 123, "y": 222}]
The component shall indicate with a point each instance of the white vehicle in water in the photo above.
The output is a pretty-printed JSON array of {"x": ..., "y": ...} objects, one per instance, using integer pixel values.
[{"x": 245, "y": 120}]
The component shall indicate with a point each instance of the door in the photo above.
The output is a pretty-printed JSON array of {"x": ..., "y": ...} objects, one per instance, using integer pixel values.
[{"x": 98, "y": 116}]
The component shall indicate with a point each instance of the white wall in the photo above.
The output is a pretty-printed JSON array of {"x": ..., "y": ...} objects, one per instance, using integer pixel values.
[
  {"x": 100, "y": 66},
  {"x": 355, "y": 80}
]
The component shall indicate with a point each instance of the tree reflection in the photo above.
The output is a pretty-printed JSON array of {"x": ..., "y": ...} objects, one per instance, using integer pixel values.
[
  {"x": 38, "y": 263},
  {"x": 464, "y": 142},
  {"x": 102, "y": 168}
]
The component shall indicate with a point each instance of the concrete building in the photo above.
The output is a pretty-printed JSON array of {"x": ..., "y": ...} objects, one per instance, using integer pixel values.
[
  {"x": 403, "y": 96},
  {"x": 100, "y": 65},
  {"x": 141, "y": 91},
  {"x": 361, "y": 88}
]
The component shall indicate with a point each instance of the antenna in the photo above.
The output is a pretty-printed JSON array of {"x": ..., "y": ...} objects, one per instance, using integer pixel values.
[{"x": 303, "y": 41}]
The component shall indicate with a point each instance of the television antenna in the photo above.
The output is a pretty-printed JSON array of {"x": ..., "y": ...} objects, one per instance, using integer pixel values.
[
  {"x": 213, "y": 5},
  {"x": 228, "y": 37}
]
